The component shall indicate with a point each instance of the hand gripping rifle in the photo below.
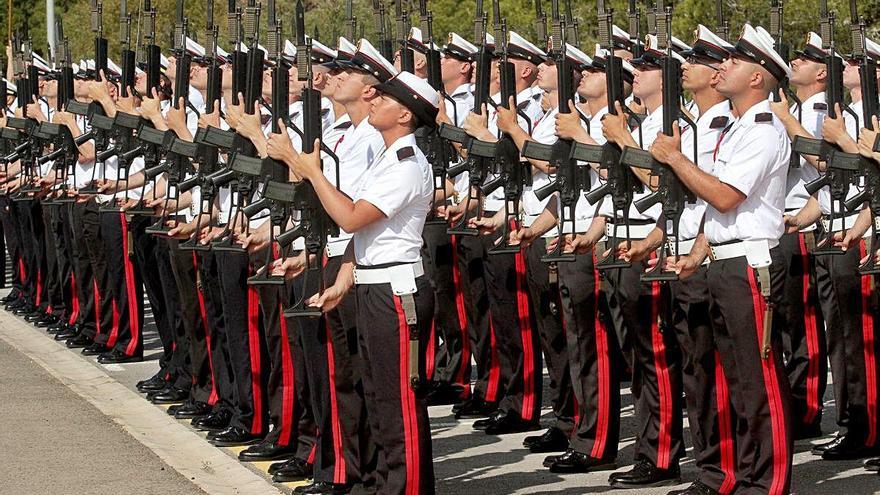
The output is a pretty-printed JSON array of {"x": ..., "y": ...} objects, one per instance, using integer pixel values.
[
  {"x": 276, "y": 190},
  {"x": 474, "y": 165},
  {"x": 840, "y": 166},
  {"x": 867, "y": 168},
  {"x": 620, "y": 183},
  {"x": 407, "y": 60},
  {"x": 437, "y": 150},
  {"x": 382, "y": 30},
  {"x": 247, "y": 168},
  {"x": 670, "y": 193},
  {"x": 315, "y": 225},
  {"x": 570, "y": 178},
  {"x": 208, "y": 155}
]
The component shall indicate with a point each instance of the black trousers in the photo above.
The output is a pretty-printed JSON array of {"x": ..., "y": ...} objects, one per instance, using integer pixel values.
[
  {"x": 451, "y": 363},
  {"x": 125, "y": 283},
  {"x": 184, "y": 266},
  {"x": 223, "y": 395},
  {"x": 398, "y": 415},
  {"x": 9, "y": 218},
  {"x": 711, "y": 418},
  {"x": 849, "y": 303},
  {"x": 593, "y": 361},
  {"x": 803, "y": 339},
  {"x": 655, "y": 359},
  {"x": 759, "y": 387},
  {"x": 32, "y": 235},
  {"x": 248, "y": 359},
  {"x": 286, "y": 383},
  {"x": 57, "y": 274},
  {"x": 96, "y": 296},
  {"x": 545, "y": 302},
  {"x": 344, "y": 452}
]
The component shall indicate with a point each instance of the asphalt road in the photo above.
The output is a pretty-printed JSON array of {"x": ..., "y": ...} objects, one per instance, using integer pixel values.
[{"x": 59, "y": 442}]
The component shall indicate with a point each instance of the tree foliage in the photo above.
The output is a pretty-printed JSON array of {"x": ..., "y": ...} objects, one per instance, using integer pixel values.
[{"x": 327, "y": 18}]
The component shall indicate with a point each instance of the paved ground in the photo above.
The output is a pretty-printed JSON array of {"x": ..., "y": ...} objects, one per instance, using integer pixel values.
[{"x": 56, "y": 428}]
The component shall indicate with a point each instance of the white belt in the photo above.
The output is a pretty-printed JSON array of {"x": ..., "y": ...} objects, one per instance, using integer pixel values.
[
  {"x": 684, "y": 247},
  {"x": 401, "y": 277},
  {"x": 581, "y": 225},
  {"x": 738, "y": 249},
  {"x": 848, "y": 222},
  {"x": 618, "y": 230},
  {"x": 336, "y": 247},
  {"x": 492, "y": 204},
  {"x": 809, "y": 228}
]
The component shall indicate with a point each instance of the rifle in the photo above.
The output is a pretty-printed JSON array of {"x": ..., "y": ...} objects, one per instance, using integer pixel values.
[
  {"x": 384, "y": 45},
  {"x": 621, "y": 182},
  {"x": 570, "y": 178},
  {"x": 315, "y": 224},
  {"x": 868, "y": 170},
  {"x": 670, "y": 193},
  {"x": 350, "y": 21},
  {"x": 208, "y": 155},
  {"x": 407, "y": 61},
  {"x": 634, "y": 14},
  {"x": 474, "y": 165},
  {"x": 573, "y": 36},
  {"x": 276, "y": 190},
  {"x": 32, "y": 146},
  {"x": 784, "y": 50},
  {"x": 722, "y": 28},
  {"x": 840, "y": 167},
  {"x": 540, "y": 22},
  {"x": 436, "y": 149},
  {"x": 177, "y": 154}
]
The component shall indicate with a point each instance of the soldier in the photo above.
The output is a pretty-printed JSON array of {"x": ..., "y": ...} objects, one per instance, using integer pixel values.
[{"x": 745, "y": 196}]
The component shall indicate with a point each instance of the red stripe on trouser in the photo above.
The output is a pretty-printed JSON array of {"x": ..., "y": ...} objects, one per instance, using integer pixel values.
[
  {"x": 21, "y": 271},
  {"x": 494, "y": 382},
  {"x": 288, "y": 387},
  {"x": 338, "y": 453},
  {"x": 525, "y": 332},
  {"x": 253, "y": 302},
  {"x": 431, "y": 352},
  {"x": 74, "y": 313},
  {"x": 97, "y": 307},
  {"x": 114, "y": 332},
  {"x": 664, "y": 386},
  {"x": 39, "y": 286},
  {"x": 603, "y": 366},
  {"x": 462, "y": 321},
  {"x": 130, "y": 291},
  {"x": 408, "y": 404},
  {"x": 812, "y": 336},
  {"x": 870, "y": 361},
  {"x": 203, "y": 311},
  {"x": 774, "y": 398},
  {"x": 725, "y": 428}
]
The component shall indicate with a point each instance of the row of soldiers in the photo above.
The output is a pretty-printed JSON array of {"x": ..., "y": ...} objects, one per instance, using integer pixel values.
[{"x": 333, "y": 239}]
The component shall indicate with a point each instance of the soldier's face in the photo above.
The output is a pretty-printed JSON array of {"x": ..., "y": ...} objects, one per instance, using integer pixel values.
[
  {"x": 349, "y": 86},
  {"x": 171, "y": 71},
  {"x": 547, "y": 76},
  {"x": 592, "y": 84},
  {"x": 851, "y": 77},
  {"x": 450, "y": 69},
  {"x": 227, "y": 77},
  {"x": 385, "y": 112},
  {"x": 198, "y": 76},
  {"x": 696, "y": 76},
  {"x": 80, "y": 89},
  {"x": 647, "y": 83},
  {"x": 735, "y": 76},
  {"x": 49, "y": 89},
  {"x": 804, "y": 71}
]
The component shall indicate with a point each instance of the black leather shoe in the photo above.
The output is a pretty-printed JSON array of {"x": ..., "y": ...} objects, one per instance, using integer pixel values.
[
  {"x": 233, "y": 436},
  {"x": 213, "y": 422},
  {"x": 475, "y": 407},
  {"x": 35, "y": 316},
  {"x": 192, "y": 409},
  {"x": 573, "y": 461},
  {"x": 873, "y": 464},
  {"x": 13, "y": 305},
  {"x": 696, "y": 488},
  {"x": 645, "y": 474},
  {"x": 849, "y": 448},
  {"x": 12, "y": 296},
  {"x": 46, "y": 322},
  {"x": 67, "y": 334},
  {"x": 511, "y": 423},
  {"x": 24, "y": 309},
  {"x": 550, "y": 460},
  {"x": 95, "y": 349},
  {"x": 445, "y": 394},
  {"x": 324, "y": 487},
  {"x": 118, "y": 357},
  {"x": 78, "y": 342},
  {"x": 819, "y": 448},
  {"x": 293, "y": 470},
  {"x": 552, "y": 440},
  {"x": 154, "y": 383},
  {"x": 482, "y": 424},
  {"x": 168, "y": 388},
  {"x": 56, "y": 327},
  {"x": 171, "y": 395},
  {"x": 266, "y": 451}
]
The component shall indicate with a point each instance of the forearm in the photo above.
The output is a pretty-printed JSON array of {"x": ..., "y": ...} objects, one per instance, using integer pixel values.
[
  {"x": 520, "y": 137},
  {"x": 702, "y": 184},
  {"x": 546, "y": 220}
]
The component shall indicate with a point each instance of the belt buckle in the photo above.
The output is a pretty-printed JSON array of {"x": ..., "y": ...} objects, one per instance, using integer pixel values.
[{"x": 712, "y": 255}]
